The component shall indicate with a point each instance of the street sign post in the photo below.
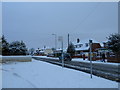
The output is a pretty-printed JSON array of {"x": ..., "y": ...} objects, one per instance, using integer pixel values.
[{"x": 90, "y": 43}]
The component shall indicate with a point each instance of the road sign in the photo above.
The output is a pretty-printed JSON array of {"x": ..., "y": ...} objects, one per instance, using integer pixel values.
[{"x": 60, "y": 38}]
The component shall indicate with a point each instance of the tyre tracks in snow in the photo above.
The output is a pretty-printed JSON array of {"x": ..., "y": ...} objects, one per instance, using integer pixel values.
[{"x": 19, "y": 76}]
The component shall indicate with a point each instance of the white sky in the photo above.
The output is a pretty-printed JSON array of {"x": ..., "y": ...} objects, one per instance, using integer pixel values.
[{"x": 34, "y": 23}]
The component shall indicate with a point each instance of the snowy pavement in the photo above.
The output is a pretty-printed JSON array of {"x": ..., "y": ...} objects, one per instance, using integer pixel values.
[{"x": 38, "y": 74}]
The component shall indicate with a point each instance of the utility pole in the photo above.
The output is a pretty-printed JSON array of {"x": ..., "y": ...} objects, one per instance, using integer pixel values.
[
  {"x": 68, "y": 39},
  {"x": 61, "y": 39},
  {"x": 90, "y": 43}
]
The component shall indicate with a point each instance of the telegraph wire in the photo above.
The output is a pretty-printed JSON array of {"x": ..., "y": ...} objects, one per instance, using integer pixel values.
[{"x": 87, "y": 16}]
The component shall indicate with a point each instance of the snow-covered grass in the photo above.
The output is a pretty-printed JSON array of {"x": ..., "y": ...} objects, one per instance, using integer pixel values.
[
  {"x": 15, "y": 58},
  {"x": 38, "y": 74}
]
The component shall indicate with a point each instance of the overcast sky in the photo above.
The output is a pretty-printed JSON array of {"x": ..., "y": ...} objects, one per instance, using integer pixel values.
[{"x": 34, "y": 23}]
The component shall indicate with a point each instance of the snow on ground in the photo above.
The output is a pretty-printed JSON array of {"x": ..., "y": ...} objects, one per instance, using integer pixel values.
[
  {"x": 46, "y": 57},
  {"x": 38, "y": 74},
  {"x": 81, "y": 60},
  {"x": 96, "y": 62}
]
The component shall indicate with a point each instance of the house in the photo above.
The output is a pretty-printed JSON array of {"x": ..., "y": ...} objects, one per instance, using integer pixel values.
[
  {"x": 44, "y": 51},
  {"x": 48, "y": 51},
  {"x": 83, "y": 47},
  {"x": 58, "y": 52}
]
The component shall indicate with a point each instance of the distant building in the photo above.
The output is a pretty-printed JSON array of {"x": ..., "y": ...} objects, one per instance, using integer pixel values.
[
  {"x": 48, "y": 51},
  {"x": 58, "y": 51},
  {"x": 44, "y": 51}
]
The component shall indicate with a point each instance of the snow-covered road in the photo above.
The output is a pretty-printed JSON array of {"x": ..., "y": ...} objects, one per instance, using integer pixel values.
[{"x": 38, "y": 74}]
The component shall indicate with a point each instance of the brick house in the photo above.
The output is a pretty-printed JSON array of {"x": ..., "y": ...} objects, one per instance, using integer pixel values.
[{"x": 82, "y": 47}]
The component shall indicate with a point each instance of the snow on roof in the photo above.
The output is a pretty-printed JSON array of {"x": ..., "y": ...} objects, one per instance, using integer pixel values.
[
  {"x": 59, "y": 49},
  {"x": 82, "y": 48},
  {"x": 43, "y": 48},
  {"x": 102, "y": 45},
  {"x": 41, "y": 51},
  {"x": 46, "y": 48},
  {"x": 85, "y": 41},
  {"x": 64, "y": 49}
]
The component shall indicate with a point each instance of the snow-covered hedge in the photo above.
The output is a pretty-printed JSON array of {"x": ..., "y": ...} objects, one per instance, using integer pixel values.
[{"x": 15, "y": 58}]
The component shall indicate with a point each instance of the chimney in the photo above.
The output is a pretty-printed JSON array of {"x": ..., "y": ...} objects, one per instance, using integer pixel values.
[
  {"x": 104, "y": 44},
  {"x": 78, "y": 40}
]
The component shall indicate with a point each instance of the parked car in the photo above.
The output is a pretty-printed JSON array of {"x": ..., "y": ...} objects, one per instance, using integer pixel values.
[
  {"x": 50, "y": 55},
  {"x": 66, "y": 57}
]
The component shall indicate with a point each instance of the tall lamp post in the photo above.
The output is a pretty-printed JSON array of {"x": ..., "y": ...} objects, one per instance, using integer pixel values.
[{"x": 55, "y": 41}]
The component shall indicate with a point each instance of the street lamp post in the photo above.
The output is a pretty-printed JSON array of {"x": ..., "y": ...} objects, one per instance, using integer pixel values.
[{"x": 90, "y": 43}]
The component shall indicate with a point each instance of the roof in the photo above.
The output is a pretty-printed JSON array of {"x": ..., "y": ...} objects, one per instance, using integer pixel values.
[
  {"x": 85, "y": 41},
  {"x": 41, "y": 51},
  {"x": 64, "y": 49},
  {"x": 82, "y": 48}
]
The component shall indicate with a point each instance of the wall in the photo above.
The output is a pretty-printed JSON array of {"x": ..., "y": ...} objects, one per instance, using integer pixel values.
[{"x": 15, "y": 59}]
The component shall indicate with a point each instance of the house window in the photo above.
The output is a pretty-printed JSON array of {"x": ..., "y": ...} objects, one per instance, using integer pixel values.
[
  {"x": 75, "y": 46},
  {"x": 80, "y": 45},
  {"x": 86, "y": 44}
]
